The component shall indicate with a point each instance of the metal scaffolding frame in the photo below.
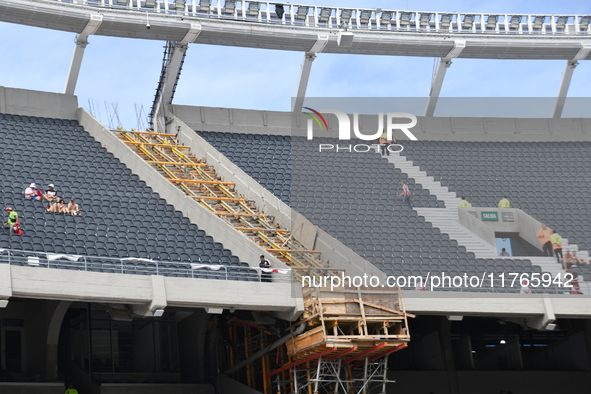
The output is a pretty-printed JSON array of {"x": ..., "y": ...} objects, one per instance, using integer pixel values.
[{"x": 334, "y": 376}]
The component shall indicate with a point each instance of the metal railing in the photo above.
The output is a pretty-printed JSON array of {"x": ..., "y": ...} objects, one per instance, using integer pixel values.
[
  {"x": 507, "y": 287},
  {"x": 375, "y": 19},
  {"x": 142, "y": 266}
]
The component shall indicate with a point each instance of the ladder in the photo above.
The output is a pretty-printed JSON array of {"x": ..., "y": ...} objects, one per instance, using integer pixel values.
[{"x": 201, "y": 182}]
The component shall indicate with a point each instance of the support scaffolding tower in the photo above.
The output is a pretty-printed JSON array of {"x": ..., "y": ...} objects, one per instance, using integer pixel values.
[
  {"x": 350, "y": 334},
  {"x": 342, "y": 342}
]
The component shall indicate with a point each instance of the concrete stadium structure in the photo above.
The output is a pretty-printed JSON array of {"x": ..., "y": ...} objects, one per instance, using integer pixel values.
[{"x": 98, "y": 329}]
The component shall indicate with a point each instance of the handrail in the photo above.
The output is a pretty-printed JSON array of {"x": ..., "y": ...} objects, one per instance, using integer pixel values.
[
  {"x": 366, "y": 19},
  {"x": 142, "y": 266}
]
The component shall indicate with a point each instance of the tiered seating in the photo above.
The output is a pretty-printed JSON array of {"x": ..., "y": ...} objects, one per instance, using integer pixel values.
[
  {"x": 269, "y": 158},
  {"x": 122, "y": 217},
  {"x": 548, "y": 180},
  {"x": 352, "y": 197}
]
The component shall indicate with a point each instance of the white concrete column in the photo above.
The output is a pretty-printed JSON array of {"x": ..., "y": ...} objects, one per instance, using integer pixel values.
[
  {"x": 174, "y": 65},
  {"x": 437, "y": 83},
  {"x": 81, "y": 42},
  {"x": 173, "y": 68},
  {"x": 303, "y": 82},
  {"x": 321, "y": 41},
  {"x": 75, "y": 66},
  {"x": 436, "y": 87},
  {"x": 567, "y": 75}
]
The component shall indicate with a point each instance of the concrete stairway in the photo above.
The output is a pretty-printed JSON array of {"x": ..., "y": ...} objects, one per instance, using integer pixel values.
[
  {"x": 441, "y": 192},
  {"x": 446, "y": 219},
  {"x": 548, "y": 264}
]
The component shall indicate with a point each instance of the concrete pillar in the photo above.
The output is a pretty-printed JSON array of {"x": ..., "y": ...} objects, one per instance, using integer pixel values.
[
  {"x": 437, "y": 83},
  {"x": 81, "y": 42},
  {"x": 567, "y": 75},
  {"x": 53, "y": 333},
  {"x": 321, "y": 41}
]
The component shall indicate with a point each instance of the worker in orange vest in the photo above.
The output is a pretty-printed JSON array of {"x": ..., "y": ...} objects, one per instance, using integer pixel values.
[
  {"x": 544, "y": 235},
  {"x": 557, "y": 245}
]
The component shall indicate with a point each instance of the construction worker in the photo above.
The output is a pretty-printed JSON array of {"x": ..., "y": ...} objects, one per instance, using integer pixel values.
[
  {"x": 406, "y": 193},
  {"x": 504, "y": 203},
  {"x": 464, "y": 203},
  {"x": 557, "y": 245},
  {"x": 264, "y": 263},
  {"x": 71, "y": 389},
  {"x": 544, "y": 235},
  {"x": 385, "y": 144},
  {"x": 12, "y": 219}
]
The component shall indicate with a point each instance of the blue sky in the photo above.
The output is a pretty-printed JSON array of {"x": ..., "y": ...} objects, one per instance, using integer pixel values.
[{"x": 125, "y": 71}]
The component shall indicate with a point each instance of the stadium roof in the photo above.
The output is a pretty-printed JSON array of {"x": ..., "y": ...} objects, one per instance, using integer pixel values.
[
  {"x": 374, "y": 31},
  {"x": 310, "y": 30}
]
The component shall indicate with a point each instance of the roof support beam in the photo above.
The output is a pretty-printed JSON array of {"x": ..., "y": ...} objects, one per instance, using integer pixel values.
[
  {"x": 567, "y": 75},
  {"x": 81, "y": 42},
  {"x": 437, "y": 83},
  {"x": 321, "y": 41},
  {"x": 173, "y": 69},
  {"x": 174, "y": 65}
]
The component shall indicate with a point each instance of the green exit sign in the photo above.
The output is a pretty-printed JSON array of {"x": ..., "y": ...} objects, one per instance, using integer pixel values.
[{"x": 493, "y": 216}]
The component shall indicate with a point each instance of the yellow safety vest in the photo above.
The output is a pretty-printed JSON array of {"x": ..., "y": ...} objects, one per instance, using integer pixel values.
[
  {"x": 556, "y": 241},
  {"x": 464, "y": 203},
  {"x": 504, "y": 203}
]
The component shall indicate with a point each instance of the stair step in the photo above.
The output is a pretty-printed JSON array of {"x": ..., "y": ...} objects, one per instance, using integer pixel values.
[{"x": 447, "y": 220}]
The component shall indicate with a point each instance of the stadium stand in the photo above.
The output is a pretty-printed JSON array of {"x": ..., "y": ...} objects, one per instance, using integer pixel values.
[
  {"x": 543, "y": 186},
  {"x": 122, "y": 217},
  {"x": 352, "y": 197}
]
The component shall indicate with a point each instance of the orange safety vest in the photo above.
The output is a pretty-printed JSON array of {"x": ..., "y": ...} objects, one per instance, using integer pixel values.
[{"x": 546, "y": 234}]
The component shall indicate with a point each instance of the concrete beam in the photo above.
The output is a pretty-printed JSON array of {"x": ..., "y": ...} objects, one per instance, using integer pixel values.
[
  {"x": 172, "y": 72},
  {"x": 428, "y": 128},
  {"x": 158, "y": 293},
  {"x": 35, "y": 103},
  {"x": 176, "y": 58},
  {"x": 567, "y": 75},
  {"x": 437, "y": 83},
  {"x": 543, "y": 307},
  {"x": 540, "y": 322},
  {"x": 138, "y": 290},
  {"x": 309, "y": 57},
  {"x": 81, "y": 42},
  {"x": 173, "y": 68}
]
